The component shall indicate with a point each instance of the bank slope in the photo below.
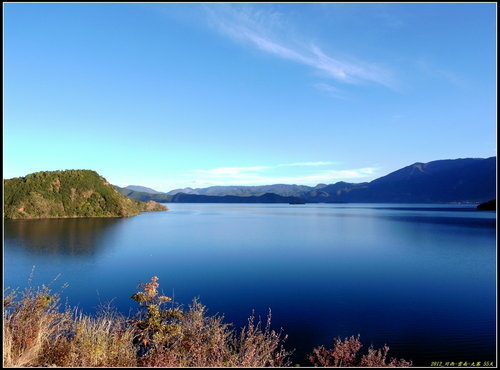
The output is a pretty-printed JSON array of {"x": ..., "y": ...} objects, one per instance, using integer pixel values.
[{"x": 70, "y": 193}]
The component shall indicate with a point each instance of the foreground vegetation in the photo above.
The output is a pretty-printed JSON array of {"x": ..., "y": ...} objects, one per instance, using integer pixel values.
[
  {"x": 71, "y": 193},
  {"x": 38, "y": 333}
]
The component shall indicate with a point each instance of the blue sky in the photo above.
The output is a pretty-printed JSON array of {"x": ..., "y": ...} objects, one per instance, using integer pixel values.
[{"x": 177, "y": 95}]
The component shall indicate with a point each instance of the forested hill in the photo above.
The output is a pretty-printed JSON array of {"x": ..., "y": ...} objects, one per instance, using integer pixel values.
[{"x": 70, "y": 193}]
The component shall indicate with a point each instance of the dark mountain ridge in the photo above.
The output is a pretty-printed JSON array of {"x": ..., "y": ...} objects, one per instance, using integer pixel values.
[
  {"x": 442, "y": 181},
  {"x": 265, "y": 198}
]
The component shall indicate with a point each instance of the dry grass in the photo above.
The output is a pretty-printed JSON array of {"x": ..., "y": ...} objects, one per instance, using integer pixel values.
[
  {"x": 259, "y": 347},
  {"x": 105, "y": 340},
  {"x": 38, "y": 333},
  {"x": 345, "y": 353},
  {"x": 31, "y": 325},
  {"x": 176, "y": 338},
  {"x": 206, "y": 341}
]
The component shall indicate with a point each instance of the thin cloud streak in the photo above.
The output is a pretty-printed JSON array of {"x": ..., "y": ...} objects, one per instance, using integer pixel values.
[
  {"x": 231, "y": 171},
  {"x": 255, "y": 175},
  {"x": 329, "y": 90},
  {"x": 241, "y": 171},
  {"x": 301, "y": 164},
  {"x": 245, "y": 25}
]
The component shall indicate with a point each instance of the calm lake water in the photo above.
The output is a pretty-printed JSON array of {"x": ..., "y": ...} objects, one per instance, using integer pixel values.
[{"x": 421, "y": 278}]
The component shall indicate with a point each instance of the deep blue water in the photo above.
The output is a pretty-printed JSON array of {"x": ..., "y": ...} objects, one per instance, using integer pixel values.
[{"x": 421, "y": 278}]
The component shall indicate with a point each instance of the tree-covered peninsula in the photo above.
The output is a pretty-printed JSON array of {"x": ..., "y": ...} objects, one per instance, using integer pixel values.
[{"x": 70, "y": 193}]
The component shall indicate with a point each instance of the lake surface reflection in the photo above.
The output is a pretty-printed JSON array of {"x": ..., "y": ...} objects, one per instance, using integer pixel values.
[{"x": 420, "y": 278}]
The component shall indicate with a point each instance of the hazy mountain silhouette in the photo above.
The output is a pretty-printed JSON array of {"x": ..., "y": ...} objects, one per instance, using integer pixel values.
[{"x": 442, "y": 181}]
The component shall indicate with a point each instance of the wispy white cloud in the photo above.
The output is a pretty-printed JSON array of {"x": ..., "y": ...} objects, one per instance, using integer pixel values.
[
  {"x": 300, "y": 173},
  {"x": 306, "y": 164},
  {"x": 327, "y": 176},
  {"x": 265, "y": 175},
  {"x": 433, "y": 70},
  {"x": 329, "y": 90},
  {"x": 232, "y": 171},
  {"x": 264, "y": 31}
]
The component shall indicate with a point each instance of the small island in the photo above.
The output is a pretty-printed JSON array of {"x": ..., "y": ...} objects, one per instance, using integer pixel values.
[
  {"x": 67, "y": 194},
  {"x": 490, "y": 205}
]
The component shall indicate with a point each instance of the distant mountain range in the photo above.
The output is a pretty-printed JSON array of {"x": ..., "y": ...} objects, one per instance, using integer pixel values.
[
  {"x": 264, "y": 198},
  {"x": 443, "y": 181},
  {"x": 247, "y": 191}
]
